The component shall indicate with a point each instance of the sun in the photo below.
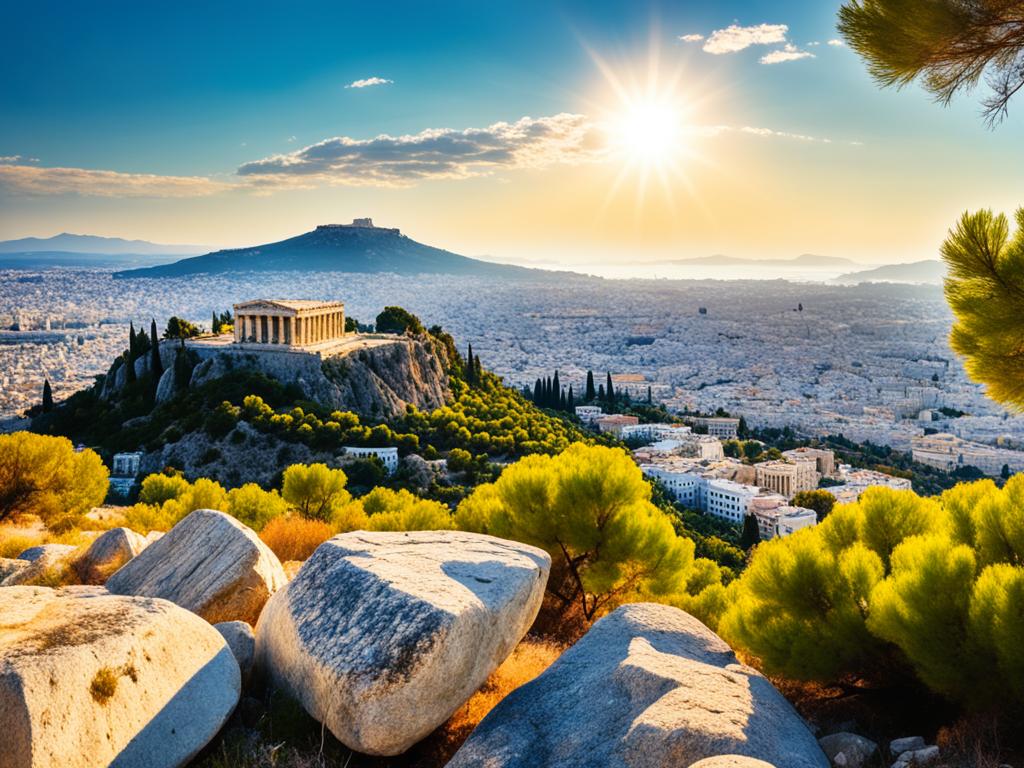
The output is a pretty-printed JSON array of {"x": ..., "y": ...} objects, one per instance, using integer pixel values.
[{"x": 649, "y": 131}]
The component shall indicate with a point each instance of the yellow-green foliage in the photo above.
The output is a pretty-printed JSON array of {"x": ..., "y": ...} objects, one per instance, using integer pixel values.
[
  {"x": 44, "y": 476},
  {"x": 315, "y": 490},
  {"x": 254, "y": 506},
  {"x": 389, "y": 510},
  {"x": 156, "y": 489},
  {"x": 590, "y": 508},
  {"x": 936, "y": 584},
  {"x": 984, "y": 288},
  {"x": 491, "y": 418}
]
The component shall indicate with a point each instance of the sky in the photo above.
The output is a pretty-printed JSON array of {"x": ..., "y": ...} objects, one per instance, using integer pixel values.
[{"x": 568, "y": 133}]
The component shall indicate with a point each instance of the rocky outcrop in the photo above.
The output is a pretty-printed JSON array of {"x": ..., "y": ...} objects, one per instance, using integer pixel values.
[
  {"x": 89, "y": 679},
  {"x": 382, "y": 636},
  {"x": 378, "y": 381},
  {"x": 47, "y": 552},
  {"x": 242, "y": 642},
  {"x": 848, "y": 750},
  {"x": 111, "y": 550},
  {"x": 116, "y": 378},
  {"x": 210, "y": 564},
  {"x": 648, "y": 686},
  {"x": 11, "y": 566}
]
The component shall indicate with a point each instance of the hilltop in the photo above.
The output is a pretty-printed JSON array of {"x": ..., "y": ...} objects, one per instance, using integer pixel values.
[
  {"x": 69, "y": 250},
  {"x": 930, "y": 271},
  {"x": 357, "y": 247}
]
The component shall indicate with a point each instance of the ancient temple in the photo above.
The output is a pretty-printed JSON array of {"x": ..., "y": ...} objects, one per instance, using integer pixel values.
[{"x": 288, "y": 322}]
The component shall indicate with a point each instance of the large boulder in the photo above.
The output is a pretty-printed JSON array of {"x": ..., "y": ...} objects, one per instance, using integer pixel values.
[
  {"x": 648, "y": 686},
  {"x": 382, "y": 636},
  {"x": 242, "y": 642},
  {"x": 111, "y": 550},
  {"x": 89, "y": 679},
  {"x": 10, "y": 566},
  {"x": 48, "y": 552},
  {"x": 209, "y": 563},
  {"x": 848, "y": 749}
]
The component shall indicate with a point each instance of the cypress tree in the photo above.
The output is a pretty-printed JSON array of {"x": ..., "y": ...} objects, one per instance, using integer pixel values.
[
  {"x": 556, "y": 392},
  {"x": 609, "y": 390},
  {"x": 47, "y": 396},
  {"x": 590, "y": 393},
  {"x": 562, "y": 404},
  {"x": 470, "y": 370},
  {"x": 600, "y": 392},
  {"x": 129, "y": 372},
  {"x": 751, "y": 533},
  {"x": 215, "y": 323},
  {"x": 132, "y": 354},
  {"x": 570, "y": 402},
  {"x": 478, "y": 370},
  {"x": 156, "y": 365},
  {"x": 548, "y": 390},
  {"x": 650, "y": 400},
  {"x": 538, "y": 392}
]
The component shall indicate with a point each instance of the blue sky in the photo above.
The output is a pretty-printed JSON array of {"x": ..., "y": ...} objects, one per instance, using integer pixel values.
[{"x": 200, "y": 90}]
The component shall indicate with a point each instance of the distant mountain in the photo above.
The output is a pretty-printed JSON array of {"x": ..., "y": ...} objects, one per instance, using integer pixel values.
[
  {"x": 68, "y": 243},
  {"x": 357, "y": 247},
  {"x": 804, "y": 260},
  {"x": 928, "y": 271}
]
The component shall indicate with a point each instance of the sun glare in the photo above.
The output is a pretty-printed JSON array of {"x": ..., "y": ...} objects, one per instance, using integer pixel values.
[{"x": 650, "y": 131}]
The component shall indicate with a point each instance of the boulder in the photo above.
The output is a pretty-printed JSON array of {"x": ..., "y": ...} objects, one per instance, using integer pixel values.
[
  {"x": 45, "y": 562},
  {"x": 917, "y": 757},
  {"x": 11, "y": 566},
  {"x": 856, "y": 751},
  {"x": 89, "y": 679},
  {"x": 48, "y": 552},
  {"x": 382, "y": 636},
  {"x": 209, "y": 563},
  {"x": 906, "y": 744},
  {"x": 111, "y": 550},
  {"x": 648, "y": 686},
  {"x": 242, "y": 642}
]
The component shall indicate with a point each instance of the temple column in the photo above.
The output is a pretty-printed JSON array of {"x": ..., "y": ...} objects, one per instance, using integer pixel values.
[{"x": 265, "y": 328}]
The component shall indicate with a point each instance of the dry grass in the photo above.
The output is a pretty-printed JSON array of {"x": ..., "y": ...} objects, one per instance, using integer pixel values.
[
  {"x": 295, "y": 538},
  {"x": 13, "y": 544},
  {"x": 531, "y": 657}
]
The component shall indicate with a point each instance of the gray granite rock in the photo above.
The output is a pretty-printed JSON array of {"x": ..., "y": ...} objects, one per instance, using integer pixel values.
[
  {"x": 856, "y": 750},
  {"x": 111, "y": 550},
  {"x": 242, "y": 642},
  {"x": 210, "y": 564},
  {"x": 648, "y": 686},
  {"x": 382, "y": 636}
]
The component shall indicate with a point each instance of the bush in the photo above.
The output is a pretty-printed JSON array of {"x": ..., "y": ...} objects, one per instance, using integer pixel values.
[
  {"x": 44, "y": 476},
  {"x": 294, "y": 537},
  {"x": 390, "y": 510},
  {"x": 156, "y": 489},
  {"x": 932, "y": 585},
  {"x": 316, "y": 491},
  {"x": 254, "y": 506},
  {"x": 398, "y": 320}
]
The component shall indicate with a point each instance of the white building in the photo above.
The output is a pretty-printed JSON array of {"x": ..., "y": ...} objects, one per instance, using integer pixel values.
[
  {"x": 697, "y": 488},
  {"x": 728, "y": 499},
  {"x": 788, "y": 477},
  {"x": 824, "y": 460},
  {"x": 777, "y": 518},
  {"x": 949, "y": 452},
  {"x": 588, "y": 413},
  {"x": 856, "y": 481},
  {"x": 718, "y": 426},
  {"x": 387, "y": 455},
  {"x": 124, "y": 472}
]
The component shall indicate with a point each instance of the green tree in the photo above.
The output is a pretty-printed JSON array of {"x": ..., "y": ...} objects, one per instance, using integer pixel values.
[
  {"x": 254, "y": 506},
  {"x": 590, "y": 508},
  {"x": 820, "y": 501},
  {"x": 591, "y": 393},
  {"x": 45, "y": 476},
  {"x": 315, "y": 490},
  {"x": 351, "y": 325},
  {"x": 157, "y": 489},
  {"x": 398, "y": 320},
  {"x": 949, "y": 45},
  {"x": 156, "y": 364},
  {"x": 177, "y": 328},
  {"x": 400, "y": 510},
  {"x": 985, "y": 290},
  {"x": 609, "y": 390}
]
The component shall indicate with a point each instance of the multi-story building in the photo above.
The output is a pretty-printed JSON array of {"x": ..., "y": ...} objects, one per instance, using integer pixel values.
[
  {"x": 125, "y": 471},
  {"x": 856, "y": 481},
  {"x": 588, "y": 413},
  {"x": 949, "y": 452},
  {"x": 787, "y": 477},
  {"x": 697, "y": 485},
  {"x": 824, "y": 460},
  {"x": 615, "y": 422},
  {"x": 728, "y": 499},
  {"x": 720, "y": 427}
]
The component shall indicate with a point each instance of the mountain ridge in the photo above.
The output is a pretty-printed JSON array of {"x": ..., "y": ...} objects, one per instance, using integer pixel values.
[{"x": 67, "y": 242}]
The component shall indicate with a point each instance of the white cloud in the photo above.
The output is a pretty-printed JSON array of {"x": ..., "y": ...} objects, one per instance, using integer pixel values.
[
  {"x": 736, "y": 38},
  {"x": 787, "y": 53},
  {"x": 29, "y": 180},
  {"x": 14, "y": 159},
  {"x": 770, "y": 133},
  {"x": 436, "y": 153},
  {"x": 291, "y": 139},
  {"x": 694, "y": 38},
  {"x": 836, "y": 42},
  {"x": 367, "y": 82}
]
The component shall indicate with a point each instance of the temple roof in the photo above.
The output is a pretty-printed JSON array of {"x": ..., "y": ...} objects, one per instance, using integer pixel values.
[{"x": 292, "y": 304}]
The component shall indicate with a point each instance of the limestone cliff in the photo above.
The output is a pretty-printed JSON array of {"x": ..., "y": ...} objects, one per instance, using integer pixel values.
[{"x": 376, "y": 382}]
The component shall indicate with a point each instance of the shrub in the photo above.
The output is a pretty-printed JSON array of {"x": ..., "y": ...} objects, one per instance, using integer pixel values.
[
  {"x": 254, "y": 506},
  {"x": 143, "y": 518},
  {"x": 294, "y": 537},
  {"x": 156, "y": 489},
  {"x": 44, "y": 476},
  {"x": 315, "y": 490},
  {"x": 390, "y": 510}
]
